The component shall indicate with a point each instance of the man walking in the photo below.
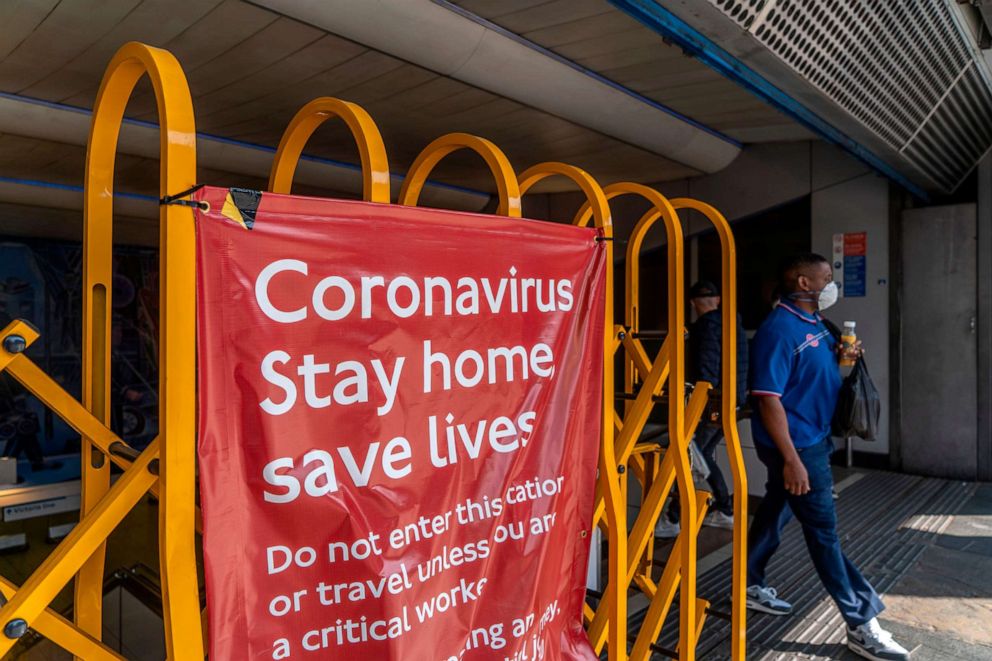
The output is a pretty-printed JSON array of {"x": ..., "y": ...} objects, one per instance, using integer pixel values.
[
  {"x": 795, "y": 381},
  {"x": 705, "y": 349}
]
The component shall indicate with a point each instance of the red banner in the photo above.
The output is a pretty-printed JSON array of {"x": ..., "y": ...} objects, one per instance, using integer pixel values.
[{"x": 399, "y": 424}]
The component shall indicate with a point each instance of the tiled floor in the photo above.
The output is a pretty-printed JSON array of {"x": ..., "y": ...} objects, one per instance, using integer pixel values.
[{"x": 925, "y": 543}]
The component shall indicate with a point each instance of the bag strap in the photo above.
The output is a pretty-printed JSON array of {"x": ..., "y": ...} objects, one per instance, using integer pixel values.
[{"x": 832, "y": 327}]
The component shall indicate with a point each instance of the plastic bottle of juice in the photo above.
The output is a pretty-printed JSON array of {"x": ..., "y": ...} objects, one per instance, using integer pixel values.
[{"x": 847, "y": 339}]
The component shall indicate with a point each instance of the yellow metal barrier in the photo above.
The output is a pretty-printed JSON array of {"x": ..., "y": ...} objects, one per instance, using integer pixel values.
[
  {"x": 728, "y": 415},
  {"x": 177, "y": 332},
  {"x": 431, "y": 155},
  {"x": 167, "y": 466},
  {"x": 656, "y": 477},
  {"x": 668, "y": 367},
  {"x": 169, "y": 461},
  {"x": 375, "y": 165},
  {"x": 615, "y": 503}
]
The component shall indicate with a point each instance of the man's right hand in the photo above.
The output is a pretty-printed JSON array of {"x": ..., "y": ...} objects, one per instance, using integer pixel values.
[{"x": 796, "y": 478}]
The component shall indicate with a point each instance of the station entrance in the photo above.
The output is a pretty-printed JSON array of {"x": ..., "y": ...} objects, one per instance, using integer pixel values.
[
  {"x": 620, "y": 133},
  {"x": 165, "y": 468}
]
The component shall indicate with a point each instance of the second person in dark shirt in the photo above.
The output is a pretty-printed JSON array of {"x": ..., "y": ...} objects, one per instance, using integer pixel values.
[{"x": 705, "y": 351}]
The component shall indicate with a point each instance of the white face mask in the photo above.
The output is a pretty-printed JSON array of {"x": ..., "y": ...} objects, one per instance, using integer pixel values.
[
  {"x": 828, "y": 296},
  {"x": 824, "y": 299}
]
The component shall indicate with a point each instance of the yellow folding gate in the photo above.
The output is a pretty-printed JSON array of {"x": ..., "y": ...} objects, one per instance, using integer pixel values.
[{"x": 167, "y": 467}]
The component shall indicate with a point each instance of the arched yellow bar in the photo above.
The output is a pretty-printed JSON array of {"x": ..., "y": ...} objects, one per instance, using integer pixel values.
[
  {"x": 82, "y": 550},
  {"x": 615, "y": 503},
  {"x": 506, "y": 180},
  {"x": 596, "y": 201},
  {"x": 676, "y": 402},
  {"x": 177, "y": 326},
  {"x": 375, "y": 166},
  {"x": 728, "y": 416}
]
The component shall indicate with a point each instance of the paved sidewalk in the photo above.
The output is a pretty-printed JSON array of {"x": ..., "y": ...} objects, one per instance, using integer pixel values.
[{"x": 943, "y": 604}]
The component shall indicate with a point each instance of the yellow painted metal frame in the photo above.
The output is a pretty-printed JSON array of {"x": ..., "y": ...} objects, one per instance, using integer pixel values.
[
  {"x": 614, "y": 502},
  {"x": 167, "y": 466},
  {"x": 728, "y": 416},
  {"x": 668, "y": 367},
  {"x": 431, "y": 155},
  {"x": 375, "y": 165},
  {"x": 656, "y": 476},
  {"x": 172, "y": 454},
  {"x": 728, "y": 404}
]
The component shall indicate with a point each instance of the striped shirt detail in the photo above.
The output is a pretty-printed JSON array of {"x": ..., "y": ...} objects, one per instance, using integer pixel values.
[
  {"x": 789, "y": 308},
  {"x": 811, "y": 341}
]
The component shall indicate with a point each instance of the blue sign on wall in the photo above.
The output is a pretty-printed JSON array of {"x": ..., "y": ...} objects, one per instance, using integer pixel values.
[{"x": 854, "y": 275}]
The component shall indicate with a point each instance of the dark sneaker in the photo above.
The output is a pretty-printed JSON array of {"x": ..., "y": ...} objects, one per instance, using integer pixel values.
[
  {"x": 765, "y": 600},
  {"x": 871, "y": 641}
]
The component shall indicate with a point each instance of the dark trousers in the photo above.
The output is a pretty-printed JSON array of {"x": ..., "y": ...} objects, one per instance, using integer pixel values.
[
  {"x": 707, "y": 439},
  {"x": 855, "y": 597}
]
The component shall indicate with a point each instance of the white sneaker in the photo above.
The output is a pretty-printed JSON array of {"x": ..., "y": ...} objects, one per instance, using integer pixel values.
[
  {"x": 697, "y": 463},
  {"x": 667, "y": 529},
  {"x": 765, "y": 600},
  {"x": 871, "y": 641},
  {"x": 717, "y": 519}
]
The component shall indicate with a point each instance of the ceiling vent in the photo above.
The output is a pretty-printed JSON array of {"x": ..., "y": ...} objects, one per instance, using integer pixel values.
[{"x": 905, "y": 70}]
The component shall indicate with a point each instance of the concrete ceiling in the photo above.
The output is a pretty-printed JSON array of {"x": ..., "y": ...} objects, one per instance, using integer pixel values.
[
  {"x": 601, "y": 38},
  {"x": 250, "y": 69}
]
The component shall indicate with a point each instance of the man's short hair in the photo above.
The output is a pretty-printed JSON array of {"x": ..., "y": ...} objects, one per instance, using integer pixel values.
[{"x": 798, "y": 263}]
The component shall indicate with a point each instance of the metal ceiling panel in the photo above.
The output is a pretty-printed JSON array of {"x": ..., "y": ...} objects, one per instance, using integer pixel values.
[{"x": 904, "y": 70}]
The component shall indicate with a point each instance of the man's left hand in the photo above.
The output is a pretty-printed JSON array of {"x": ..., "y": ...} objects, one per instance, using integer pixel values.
[{"x": 851, "y": 352}]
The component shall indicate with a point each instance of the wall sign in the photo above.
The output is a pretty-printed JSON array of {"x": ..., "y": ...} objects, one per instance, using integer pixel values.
[{"x": 850, "y": 262}]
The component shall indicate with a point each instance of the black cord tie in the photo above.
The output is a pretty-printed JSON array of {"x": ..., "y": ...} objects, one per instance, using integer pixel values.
[{"x": 176, "y": 199}]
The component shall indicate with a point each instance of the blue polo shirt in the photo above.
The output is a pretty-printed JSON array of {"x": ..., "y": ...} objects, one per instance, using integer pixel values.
[{"x": 792, "y": 357}]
